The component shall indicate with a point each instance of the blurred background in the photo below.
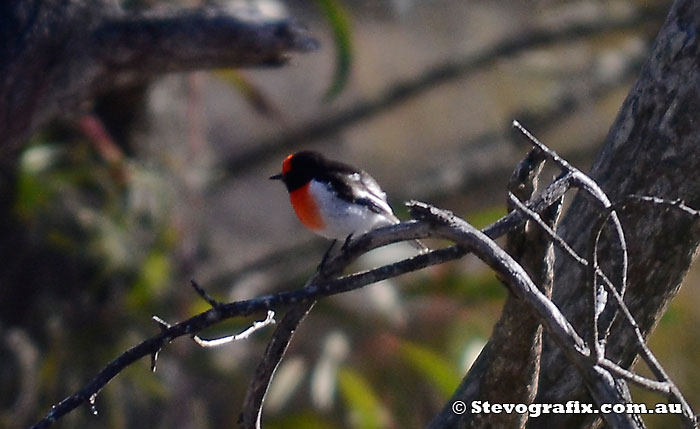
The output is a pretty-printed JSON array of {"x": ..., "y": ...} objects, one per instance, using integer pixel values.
[{"x": 118, "y": 206}]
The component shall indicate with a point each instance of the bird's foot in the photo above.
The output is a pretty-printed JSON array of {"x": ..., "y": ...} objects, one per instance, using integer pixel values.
[
  {"x": 326, "y": 256},
  {"x": 348, "y": 239}
]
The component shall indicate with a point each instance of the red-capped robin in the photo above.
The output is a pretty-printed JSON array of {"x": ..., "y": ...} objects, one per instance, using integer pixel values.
[{"x": 333, "y": 199}]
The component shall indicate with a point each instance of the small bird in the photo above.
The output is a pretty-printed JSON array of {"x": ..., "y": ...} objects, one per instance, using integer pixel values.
[{"x": 333, "y": 199}]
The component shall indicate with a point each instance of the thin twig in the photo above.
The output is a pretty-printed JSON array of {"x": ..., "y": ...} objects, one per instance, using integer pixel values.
[
  {"x": 535, "y": 217},
  {"x": 641, "y": 381},
  {"x": 584, "y": 182},
  {"x": 256, "y": 326},
  {"x": 164, "y": 326},
  {"x": 598, "y": 301},
  {"x": 597, "y": 295},
  {"x": 204, "y": 294},
  {"x": 677, "y": 204}
]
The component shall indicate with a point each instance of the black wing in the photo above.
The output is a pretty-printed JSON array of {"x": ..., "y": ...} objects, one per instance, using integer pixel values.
[{"x": 359, "y": 187}]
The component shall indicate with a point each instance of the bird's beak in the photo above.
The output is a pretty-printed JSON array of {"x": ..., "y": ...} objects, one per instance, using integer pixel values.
[{"x": 276, "y": 177}]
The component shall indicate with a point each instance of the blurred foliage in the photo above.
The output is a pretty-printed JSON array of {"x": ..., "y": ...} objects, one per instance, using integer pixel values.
[
  {"x": 252, "y": 93},
  {"x": 339, "y": 19},
  {"x": 432, "y": 367},
  {"x": 365, "y": 409},
  {"x": 81, "y": 206}
]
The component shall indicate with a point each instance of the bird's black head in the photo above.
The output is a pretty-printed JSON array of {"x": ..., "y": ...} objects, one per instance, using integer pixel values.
[{"x": 300, "y": 167}]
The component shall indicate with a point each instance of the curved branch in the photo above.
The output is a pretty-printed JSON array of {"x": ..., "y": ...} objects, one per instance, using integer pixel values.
[
  {"x": 251, "y": 412},
  {"x": 221, "y": 312}
]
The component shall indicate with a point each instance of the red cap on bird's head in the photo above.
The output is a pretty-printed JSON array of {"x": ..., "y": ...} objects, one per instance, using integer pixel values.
[
  {"x": 287, "y": 164},
  {"x": 286, "y": 168}
]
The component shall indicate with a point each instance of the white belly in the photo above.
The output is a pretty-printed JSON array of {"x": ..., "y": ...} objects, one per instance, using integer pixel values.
[{"x": 342, "y": 219}]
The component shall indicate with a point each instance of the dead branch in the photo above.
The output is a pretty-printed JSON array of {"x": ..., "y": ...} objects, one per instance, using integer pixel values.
[
  {"x": 256, "y": 326},
  {"x": 507, "y": 369},
  {"x": 57, "y": 54},
  {"x": 251, "y": 411}
]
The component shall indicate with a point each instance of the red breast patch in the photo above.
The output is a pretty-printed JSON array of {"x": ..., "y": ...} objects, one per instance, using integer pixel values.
[{"x": 306, "y": 208}]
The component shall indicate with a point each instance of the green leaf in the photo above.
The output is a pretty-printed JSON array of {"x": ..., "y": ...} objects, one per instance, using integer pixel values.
[
  {"x": 339, "y": 19},
  {"x": 444, "y": 376},
  {"x": 364, "y": 405}
]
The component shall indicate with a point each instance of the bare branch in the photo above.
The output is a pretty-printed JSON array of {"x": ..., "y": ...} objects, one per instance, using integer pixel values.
[
  {"x": 646, "y": 383},
  {"x": 455, "y": 229},
  {"x": 557, "y": 240},
  {"x": 204, "y": 294},
  {"x": 151, "y": 346},
  {"x": 251, "y": 411},
  {"x": 256, "y": 326},
  {"x": 65, "y": 52},
  {"x": 600, "y": 383},
  {"x": 582, "y": 181},
  {"x": 669, "y": 387},
  {"x": 507, "y": 369}
]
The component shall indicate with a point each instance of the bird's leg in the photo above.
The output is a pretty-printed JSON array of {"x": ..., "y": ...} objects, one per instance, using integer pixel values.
[
  {"x": 326, "y": 255},
  {"x": 347, "y": 242}
]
